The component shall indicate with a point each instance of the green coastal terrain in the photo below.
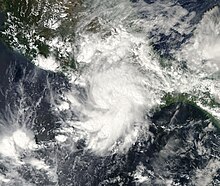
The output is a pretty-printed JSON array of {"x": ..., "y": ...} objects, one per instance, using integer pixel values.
[{"x": 47, "y": 27}]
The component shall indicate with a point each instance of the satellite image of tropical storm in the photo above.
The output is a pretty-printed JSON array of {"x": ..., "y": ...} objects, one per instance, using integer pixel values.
[{"x": 109, "y": 92}]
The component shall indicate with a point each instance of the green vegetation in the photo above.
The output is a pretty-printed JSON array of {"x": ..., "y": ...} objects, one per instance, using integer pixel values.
[
  {"x": 30, "y": 27},
  {"x": 172, "y": 98}
]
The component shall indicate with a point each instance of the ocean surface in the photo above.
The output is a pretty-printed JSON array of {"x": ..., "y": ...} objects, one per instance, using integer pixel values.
[{"x": 140, "y": 107}]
